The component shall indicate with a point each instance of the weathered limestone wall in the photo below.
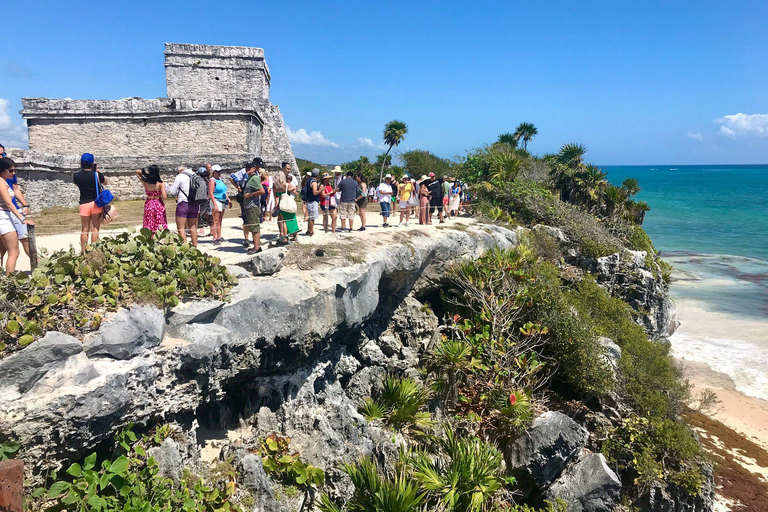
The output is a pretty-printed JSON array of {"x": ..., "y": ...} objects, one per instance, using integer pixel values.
[
  {"x": 275, "y": 146},
  {"x": 126, "y": 137},
  {"x": 204, "y": 71}
]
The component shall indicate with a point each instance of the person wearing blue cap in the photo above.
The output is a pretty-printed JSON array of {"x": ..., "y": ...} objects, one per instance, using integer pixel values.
[{"x": 90, "y": 214}]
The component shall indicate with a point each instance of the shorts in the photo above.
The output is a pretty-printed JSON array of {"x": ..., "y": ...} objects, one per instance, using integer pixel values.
[
  {"x": 187, "y": 211},
  {"x": 217, "y": 206},
  {"x": 312, "y": 211},
  {"x": 6, "y": 224},
  {"x": 445, "y": 201},
  {"x": 326, "y": 209},
  {"x": 88, "y": 209},
  {"x": 403, "y": 205},
  {"x": 347, "y": 211},
  {"x": 385, "y": 208},
  {"x": 436, "y": 204},
  {"x": 253, "y": 219},
  {"x": 362, "y": 203},
  {"x": 21, "y": 228}
]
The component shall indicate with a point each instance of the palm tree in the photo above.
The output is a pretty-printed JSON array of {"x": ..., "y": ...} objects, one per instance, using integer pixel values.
[
  {"x": 508, "y": 139},
  {"x": 591, "y": 182},
  {"x": 631, "y": 187},
  {"x": 394, "y": 133},
  {"x": 572, "y": 155},
  {"x": 384, "y": 159},
  {"x": 525, "y": 131},
  {"x": 637, "y": 210}
]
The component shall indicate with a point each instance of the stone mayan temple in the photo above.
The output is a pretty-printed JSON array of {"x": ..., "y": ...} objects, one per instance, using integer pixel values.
[{"x": 217, "y": 111}]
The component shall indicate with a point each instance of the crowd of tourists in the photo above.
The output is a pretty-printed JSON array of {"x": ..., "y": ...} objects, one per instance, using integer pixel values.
[{"x": 203, "y": 197}]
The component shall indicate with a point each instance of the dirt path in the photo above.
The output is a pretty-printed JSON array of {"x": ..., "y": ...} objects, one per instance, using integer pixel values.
[{"x": 352, "y": 246}]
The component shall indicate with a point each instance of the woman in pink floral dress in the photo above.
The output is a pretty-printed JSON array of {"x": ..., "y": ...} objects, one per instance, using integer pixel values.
[{"x": 154, "y": 207}]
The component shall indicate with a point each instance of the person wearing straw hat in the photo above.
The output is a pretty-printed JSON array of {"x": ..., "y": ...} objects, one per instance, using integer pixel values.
[
  {"x": 328, "y": 202},
  {"x": 338, "y": 175},
  {"x": 385, "y": 192}
]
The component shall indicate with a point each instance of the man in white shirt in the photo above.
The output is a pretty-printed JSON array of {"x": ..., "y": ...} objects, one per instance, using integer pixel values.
[
  {"x": 385, "y": 198},
  {"x": 186, "y": 213}
]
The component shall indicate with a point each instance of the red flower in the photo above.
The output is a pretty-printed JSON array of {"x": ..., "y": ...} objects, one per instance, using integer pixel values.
[{"x": 512, "y": 399}]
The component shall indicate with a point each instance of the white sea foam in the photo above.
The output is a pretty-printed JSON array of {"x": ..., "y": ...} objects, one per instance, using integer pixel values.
[{"x": 744, "y": 362}]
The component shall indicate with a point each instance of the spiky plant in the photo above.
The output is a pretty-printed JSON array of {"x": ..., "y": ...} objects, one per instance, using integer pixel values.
[
  {"x": 465, "y": 477},
  {"x": 401, "y": 405},
  {"x": 508, "y": 139}
]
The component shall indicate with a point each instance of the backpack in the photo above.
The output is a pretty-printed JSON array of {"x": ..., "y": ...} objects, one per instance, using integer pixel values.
[
  {"x": 306, "y": 190},
  {"x": 198, "y": 190}
]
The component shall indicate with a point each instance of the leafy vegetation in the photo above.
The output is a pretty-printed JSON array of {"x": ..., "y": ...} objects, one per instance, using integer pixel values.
[
  {"x": 130, "y": 481},
  {"x": 401, "y": 405},
  {"x": 71, "y": 292},
  {"x": 8, "y": 449},
  {"x": 286, "y": 465}
]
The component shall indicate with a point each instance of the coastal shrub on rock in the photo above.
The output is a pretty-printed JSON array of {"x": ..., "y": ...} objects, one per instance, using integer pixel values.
[{"x": 71, "y": 292}]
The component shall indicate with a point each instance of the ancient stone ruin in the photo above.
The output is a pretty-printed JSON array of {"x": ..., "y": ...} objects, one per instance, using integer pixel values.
[{"x": 217, "y": 111}]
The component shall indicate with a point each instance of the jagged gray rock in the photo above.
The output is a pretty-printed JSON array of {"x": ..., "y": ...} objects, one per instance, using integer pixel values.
[
  {"x": 194, "y": 312},
  {"x": 129, "y": 333},
  {"x": 539, "y": 455},
  {"x": 672, "y": 498},
  {"x": 267, "y": 262},
  {"x": 255, "y": 480},
  {"x": 587, "y": 485},
  {"x": 24, "y": 369},
  {"x": 168, "y": 458}
]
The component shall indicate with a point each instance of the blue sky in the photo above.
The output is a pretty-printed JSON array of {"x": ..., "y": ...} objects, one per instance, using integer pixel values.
[{"x": 637, "y": 83}]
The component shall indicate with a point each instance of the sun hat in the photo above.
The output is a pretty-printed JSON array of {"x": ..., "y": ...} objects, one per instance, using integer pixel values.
[
  {"x": 325, "y": 176},
  {"x": 309, "y": 173},
  {"x": 337, "y": 169},
  {"x": 216, "y": 168},
  {"x": 423, "y": 177},
  {"x": 87, "y": 158},
  {"x": 388, "y": 176}
]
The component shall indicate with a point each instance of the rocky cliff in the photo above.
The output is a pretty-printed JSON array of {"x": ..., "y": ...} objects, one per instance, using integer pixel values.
[{"x": 294, "y": 353}]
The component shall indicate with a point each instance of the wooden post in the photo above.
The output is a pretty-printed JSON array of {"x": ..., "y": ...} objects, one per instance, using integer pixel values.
[{"x": 32, "y": 247}]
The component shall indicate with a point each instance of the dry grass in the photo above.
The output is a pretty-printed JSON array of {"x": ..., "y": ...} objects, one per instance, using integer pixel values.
[
  {"x": 733, "y": 480},
  {"x": 58, "y": 220}
]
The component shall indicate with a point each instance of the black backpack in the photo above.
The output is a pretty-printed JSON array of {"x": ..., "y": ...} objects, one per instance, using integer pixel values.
[{"x": 198, "y": 190}]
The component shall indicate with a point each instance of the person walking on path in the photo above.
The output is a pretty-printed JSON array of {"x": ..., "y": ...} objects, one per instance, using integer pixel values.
[
  {"x": 328, "y": 202},
  {"x": 11, "y": 218},
  {"x": 155, "y": 217},
  {"x": 252, "y": 201},
  {"x": 186, "y": 212},
  {"x": 385, "y": 198},
  {"x": 423, "y": 201},
  {"x": 455, "y": 199},
  {"x": 90, "y": 214},
  {"x": 313, "y": 201},
  {"x": 435, "y": 186},
  {"x": 362, "y": 198},
  {"x": 404, "y": 191},
  {"x": 348, "y": 190},
  {"x": 217, "y": 197},
  {"x": 20, "y": 202},
  {"x": 238, "y": 179},
  {"x": 284, "y": 185}
]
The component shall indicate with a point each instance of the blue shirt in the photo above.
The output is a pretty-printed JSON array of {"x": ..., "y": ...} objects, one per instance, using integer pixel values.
[
  {"x": 11, "y": 182},
  {"x": 240, "y": 177}
]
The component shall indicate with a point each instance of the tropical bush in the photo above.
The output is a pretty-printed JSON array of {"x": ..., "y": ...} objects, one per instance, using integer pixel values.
[
  {"x": 401, "y": 405},
  {"x": 130, "y": 481},
  {"x": 71, "y": 292},
  {"x": 286, "y": 465},
  {"x": 8, "y": 449}
]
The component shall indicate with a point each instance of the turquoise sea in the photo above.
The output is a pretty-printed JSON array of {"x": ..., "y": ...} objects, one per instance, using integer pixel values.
[{"x": 711, "y": 223}]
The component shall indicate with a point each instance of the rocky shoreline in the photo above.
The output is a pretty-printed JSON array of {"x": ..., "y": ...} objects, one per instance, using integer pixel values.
[{"x": 296, "y": 353}]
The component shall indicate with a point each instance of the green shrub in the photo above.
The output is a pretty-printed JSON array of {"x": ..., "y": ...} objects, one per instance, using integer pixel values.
[
  {"x": 71, "y": 292},
  {"x": 8, "y": 449},
  {"x": 286, "y": 465},
  {"x": 131, "y": 481}
]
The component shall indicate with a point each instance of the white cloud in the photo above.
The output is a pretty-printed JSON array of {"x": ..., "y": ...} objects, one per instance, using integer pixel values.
[
  {"x": 743, "y": 125},
  {"x": 695, "y": 136},
  {"x": 301, "y": 136},
  {"x": 11, "y": 135},
  {"x": 368, "y": 143}
]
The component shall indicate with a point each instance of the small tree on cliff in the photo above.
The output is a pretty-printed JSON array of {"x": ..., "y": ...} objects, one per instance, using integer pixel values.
[
  {"x": 525, "y": 131},
  {"x": 394, "y": 133}
]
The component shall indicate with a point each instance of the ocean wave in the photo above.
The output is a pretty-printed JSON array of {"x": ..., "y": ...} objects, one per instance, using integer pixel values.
[{"x": 745, "y": 363}]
